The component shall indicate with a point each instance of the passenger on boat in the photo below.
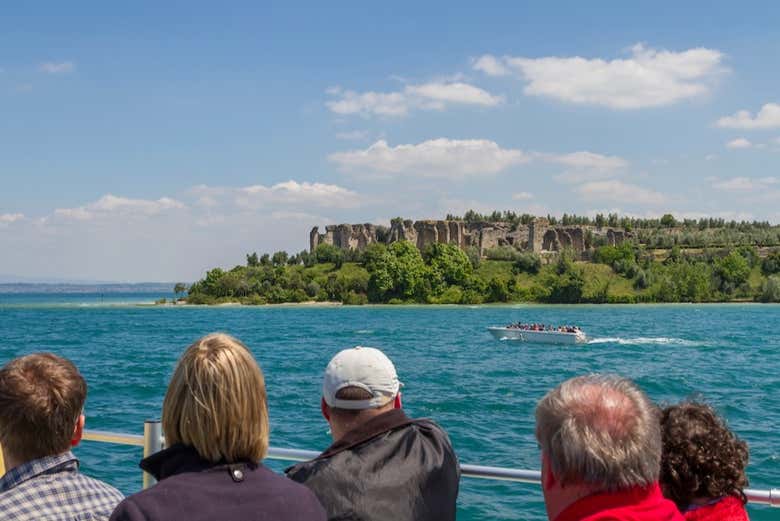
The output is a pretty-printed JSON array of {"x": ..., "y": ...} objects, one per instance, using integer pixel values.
[
  {"x": 703, "y": 464},
  {"x": 41, "y": 417},
  {"x": 601, "y": 447},
  {"x": 382, "y": 465},
  {"x": 215, "y": 420}
]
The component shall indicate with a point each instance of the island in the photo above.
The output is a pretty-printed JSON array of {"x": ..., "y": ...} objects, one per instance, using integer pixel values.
[{"x": 509, "y": 257}]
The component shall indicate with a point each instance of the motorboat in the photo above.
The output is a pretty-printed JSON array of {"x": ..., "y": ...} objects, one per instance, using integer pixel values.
[{"x": 540, "y": 336}]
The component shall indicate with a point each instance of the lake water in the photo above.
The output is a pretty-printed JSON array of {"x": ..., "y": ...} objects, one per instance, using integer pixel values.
[{"x": 482, "y": 391}]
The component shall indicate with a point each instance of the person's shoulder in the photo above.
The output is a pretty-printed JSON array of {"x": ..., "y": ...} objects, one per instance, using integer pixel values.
[
  {"x": 100, "y": 487},
  {"x": 301, "y": 501}
]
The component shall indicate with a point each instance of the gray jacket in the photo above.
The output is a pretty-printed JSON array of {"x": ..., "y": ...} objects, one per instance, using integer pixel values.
[{"x": 392, "y": 468}]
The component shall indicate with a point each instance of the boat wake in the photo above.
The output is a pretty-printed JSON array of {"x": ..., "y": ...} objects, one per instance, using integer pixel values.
[{"x": 658, "y": 340}]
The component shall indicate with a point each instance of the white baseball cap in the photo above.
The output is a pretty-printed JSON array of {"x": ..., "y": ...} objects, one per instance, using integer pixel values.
[{"x": 364, "y": 367}]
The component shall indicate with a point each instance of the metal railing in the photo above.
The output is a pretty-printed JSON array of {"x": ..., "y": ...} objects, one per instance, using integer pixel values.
[{"x": 152, "y": 441}]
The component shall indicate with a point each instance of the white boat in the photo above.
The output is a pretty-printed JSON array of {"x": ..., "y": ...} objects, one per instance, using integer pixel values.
[{"x": 541, "y": 337}]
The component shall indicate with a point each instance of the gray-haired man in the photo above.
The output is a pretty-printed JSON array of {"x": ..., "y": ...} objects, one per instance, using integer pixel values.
[
  {"x": 382, "y": 465},
  {"x": 601, "y": 452}
]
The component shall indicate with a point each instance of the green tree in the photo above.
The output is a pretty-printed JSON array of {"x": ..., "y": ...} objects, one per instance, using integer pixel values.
[
  {"x": 733, "y": 270},
  {"x": 400, "y": 273},
  {"x": 449, "y": 265},
  {"x": 771, "y": 264},
  {"x": 527, "y": 262},
  {"x": 497, "y": 290},
  {"x": 770, "y": 291},
  {"x": 252, "y": 259},
  {"x": 179, "y": 289},
  {"x": 279, "y": 258},
  {"x": 329, "y": 253},
  {"x": 668, "y": 221}
]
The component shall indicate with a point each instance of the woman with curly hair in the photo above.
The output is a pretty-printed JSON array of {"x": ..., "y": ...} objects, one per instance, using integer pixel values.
[{"x": 703, "y": 464}]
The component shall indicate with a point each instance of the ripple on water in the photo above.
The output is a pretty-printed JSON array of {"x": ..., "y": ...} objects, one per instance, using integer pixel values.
[{"x": 482, "y": 391}]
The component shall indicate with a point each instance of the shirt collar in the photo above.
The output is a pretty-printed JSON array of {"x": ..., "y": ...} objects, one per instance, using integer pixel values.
[
  {"x": 30, "y": 469},
  {"x": 392, "y": 419},
  {"x": 590, "y": 505}
]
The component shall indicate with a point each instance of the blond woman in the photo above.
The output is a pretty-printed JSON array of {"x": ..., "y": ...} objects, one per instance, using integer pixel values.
[{"x": 215, "y": 421}]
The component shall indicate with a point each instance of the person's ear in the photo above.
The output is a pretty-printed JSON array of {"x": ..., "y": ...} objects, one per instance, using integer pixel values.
[
  {"x": 397, "y": 401},
  {"x": 548, "y": 476},
  {"x": 78, "y": 431},
  {"x": 325, "y": 409}
]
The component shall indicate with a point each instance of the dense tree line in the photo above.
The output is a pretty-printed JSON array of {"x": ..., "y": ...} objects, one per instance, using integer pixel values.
[{"x": 445, "y": 274}]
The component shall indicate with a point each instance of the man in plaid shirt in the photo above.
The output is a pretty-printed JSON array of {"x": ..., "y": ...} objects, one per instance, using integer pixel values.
[{"x": 41, "y": 402}]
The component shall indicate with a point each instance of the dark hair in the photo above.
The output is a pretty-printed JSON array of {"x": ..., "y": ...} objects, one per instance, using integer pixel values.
[
  {"x": 701, "y": 457},
  {"x": 350, "y": 393},
  {"x": 41, "y": 398}
]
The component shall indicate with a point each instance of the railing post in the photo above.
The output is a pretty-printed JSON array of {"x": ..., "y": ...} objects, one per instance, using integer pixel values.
[{"x": 152, "y": 444}]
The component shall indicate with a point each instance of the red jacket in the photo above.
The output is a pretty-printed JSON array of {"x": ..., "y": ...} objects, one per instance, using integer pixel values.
[
  {"x": 729, "y": 508},
  {"x": 637, "y": 504}
]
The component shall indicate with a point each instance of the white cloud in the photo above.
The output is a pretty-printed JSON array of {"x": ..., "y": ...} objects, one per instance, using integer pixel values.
[
  {"x": 56, "y": 68},
  {"x": 744, "y": 184},
  {"x": 295, "y": 193},
  {"x": 426, "y": 96},
  {"x": 434, "y": 158},
  {"x": 490, "y": 65},
  {"x": 648, "y": 78},
  {"x": 618, "y": 191},
  {"x": 740, "y": 142},
  {"x": 113, "y": 205},
  {"x": 8, "y": 218},
  {"x": 522, "y": 196},
  {"x": 767, "y": 117},
  {"x": 587, "y": 160}
]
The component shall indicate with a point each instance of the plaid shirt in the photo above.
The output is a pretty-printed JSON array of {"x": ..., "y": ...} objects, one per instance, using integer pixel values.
[{"x": 52, "y": 489}]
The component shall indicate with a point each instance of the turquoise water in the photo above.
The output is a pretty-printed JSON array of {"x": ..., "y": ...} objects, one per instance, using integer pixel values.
[{"x": 481, "y": 390}]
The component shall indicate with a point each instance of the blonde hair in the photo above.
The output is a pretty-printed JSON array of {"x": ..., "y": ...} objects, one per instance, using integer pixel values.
[{"x": 216, "y": 402}]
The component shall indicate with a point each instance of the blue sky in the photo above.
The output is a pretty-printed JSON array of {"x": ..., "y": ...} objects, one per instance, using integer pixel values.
[{"x": 147, "y": 142}]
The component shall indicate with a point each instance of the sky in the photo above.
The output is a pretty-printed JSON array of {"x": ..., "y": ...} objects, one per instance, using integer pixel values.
[{"x": 152, "y": 141}]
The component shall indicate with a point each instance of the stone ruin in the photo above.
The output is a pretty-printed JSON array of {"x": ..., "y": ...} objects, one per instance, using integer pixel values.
[{"x": 538, "y": 236}]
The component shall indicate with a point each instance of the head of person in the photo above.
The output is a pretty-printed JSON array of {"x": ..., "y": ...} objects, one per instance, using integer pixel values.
[
  {"x": 597, "y": 433},
  {"x": 216, "y": 402},
  {"x": 702, "y": 459},
  {"x": 359, "y": 384},
  {"x": 41, "y": 407}
]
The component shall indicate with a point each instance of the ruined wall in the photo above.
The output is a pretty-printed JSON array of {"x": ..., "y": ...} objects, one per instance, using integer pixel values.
[{"x": 539, "y": 236}]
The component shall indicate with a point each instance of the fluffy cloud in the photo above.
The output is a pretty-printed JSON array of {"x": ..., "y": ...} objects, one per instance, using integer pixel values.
[
  {"x": 744, "y": 184},
  {"x": 56, "y": 68},
  {"x": 648, "y": 78},
  {"x": 587, "y": 160},
  {"x": 490, "y": 65},
  {"x": 113, "y": 205},
  {"x": 740, "y": 142},
  {"x": 426, "y": 96},
  {"x": 295, "y": 193},
  {"x": 618, "y": 191},
  {"x": 434, "y": 158},
  {"x": 8, "y": 218},
  {"x": 767, "y": 117},
  {"x": 286, "y": 194},
  {"x": 522, "y": 196}
]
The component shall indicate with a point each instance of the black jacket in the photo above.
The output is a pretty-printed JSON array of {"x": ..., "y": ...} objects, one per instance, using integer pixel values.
[
  {"x": 391, "y": 468},
  {"x": 193, "y": 489}
]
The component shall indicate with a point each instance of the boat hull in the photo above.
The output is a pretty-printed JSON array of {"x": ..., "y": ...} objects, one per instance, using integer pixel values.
[{"x": 537, "y": 337}]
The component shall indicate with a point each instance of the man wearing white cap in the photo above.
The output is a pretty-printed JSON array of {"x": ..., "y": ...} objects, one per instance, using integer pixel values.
[{"x": 382, "y": 465}]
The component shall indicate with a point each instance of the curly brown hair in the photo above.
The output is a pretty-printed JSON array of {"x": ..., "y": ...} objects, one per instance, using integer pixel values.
[{"x": 701, "y": 457}]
